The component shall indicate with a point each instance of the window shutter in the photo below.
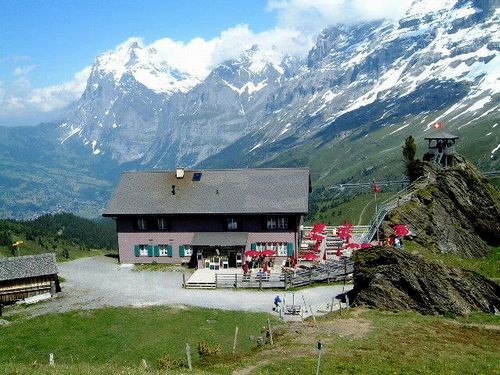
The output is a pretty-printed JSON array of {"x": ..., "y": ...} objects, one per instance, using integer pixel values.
[
  {"x": 150, "y": 250},
  {"x": 156, "y": 250},
  {"x": 181, "y": 250},
  {"x": 137, "y": 250},
  {"x": 289, "y": 249},
  {"x": 169, "y": 250},
  {"x": 253, "y": 246}
]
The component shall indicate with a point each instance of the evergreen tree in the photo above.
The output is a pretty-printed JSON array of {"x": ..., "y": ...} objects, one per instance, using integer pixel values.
[
  {"x": 409, "y": 149},
  {"x": 409, "y": 152}
]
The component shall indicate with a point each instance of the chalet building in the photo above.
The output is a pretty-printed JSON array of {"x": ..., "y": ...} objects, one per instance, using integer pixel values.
[
  {"x": 27, "y": 276},
  {"x": 209, "y": 218}
]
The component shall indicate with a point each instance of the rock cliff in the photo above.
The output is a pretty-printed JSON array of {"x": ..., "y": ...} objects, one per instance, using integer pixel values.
[
  {"x": 393, "y": 279},
  {"x": 454, "y": 211}
]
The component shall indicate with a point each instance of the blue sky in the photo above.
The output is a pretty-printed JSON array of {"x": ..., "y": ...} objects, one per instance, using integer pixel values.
[{"x": 47, "y": 47}]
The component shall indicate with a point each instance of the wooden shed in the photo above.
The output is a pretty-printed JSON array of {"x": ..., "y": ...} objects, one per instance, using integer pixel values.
[{"x": 27, "y": 276}]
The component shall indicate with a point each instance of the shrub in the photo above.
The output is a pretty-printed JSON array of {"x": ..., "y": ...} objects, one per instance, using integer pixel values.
[{"x": 206, "y": 349}]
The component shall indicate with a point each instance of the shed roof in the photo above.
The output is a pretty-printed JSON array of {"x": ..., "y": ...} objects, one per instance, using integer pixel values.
[
  {"x": 442, "y": 135},
  {"x": 220, "y": 191},
  {"x": 27, "y": 266},
  {"x": 219, "y": 239}
]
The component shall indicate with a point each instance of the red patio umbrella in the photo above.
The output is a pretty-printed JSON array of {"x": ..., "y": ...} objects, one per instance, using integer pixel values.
[
  {"x": 310, "y": 256},
  {"x": 401, "y": 230},
  {"x": 352, "y": 246},
  {"x": 318, "y": 237},
  {"x": 318, "y": 228},
  {"x": 252, "y": 253},
  {"x": 268, "y": 253},
  {"x": 366, "y": 245}
]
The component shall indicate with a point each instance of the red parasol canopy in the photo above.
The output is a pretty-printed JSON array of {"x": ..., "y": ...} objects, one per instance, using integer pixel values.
[
  {"x": 347, "y": 224},
  {"x": 401, "y": 230},
  {"x": 318, "y": 228},
  {"x": 366, "y": 245},
  {"x": 310, "y": 256},
  {"x": 317, "y": 237},
  {"x": 252, "y": 253},
  {"x": 352, "y": 245},
  {"x": 268, "y": 253}
]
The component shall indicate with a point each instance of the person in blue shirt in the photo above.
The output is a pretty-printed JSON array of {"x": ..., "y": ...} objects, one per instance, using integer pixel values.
[{"x": 277, "y": 301}]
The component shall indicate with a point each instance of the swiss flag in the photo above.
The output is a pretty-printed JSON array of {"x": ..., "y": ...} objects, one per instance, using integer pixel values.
[
  {"x": 438, "y": 125},
  {"x": 376, "y": 188}
]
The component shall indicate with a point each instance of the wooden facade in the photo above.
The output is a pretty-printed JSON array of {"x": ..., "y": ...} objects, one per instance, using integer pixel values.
[
  {"x": 27, "y": 276},
  {"x": 19, "y": 289}
]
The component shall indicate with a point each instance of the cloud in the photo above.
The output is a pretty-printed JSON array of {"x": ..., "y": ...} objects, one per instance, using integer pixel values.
[
  {"x": 311, "y": 16},
  {"x": 50, "y": 98},
  {"x": 23, "y": 70},
  {"x": 20, "y": 99}
]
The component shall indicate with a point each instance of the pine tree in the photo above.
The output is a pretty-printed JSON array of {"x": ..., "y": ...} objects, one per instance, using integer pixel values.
[
  {"x": 409, "y": 149},
  {"x": 409, "y": 152}
]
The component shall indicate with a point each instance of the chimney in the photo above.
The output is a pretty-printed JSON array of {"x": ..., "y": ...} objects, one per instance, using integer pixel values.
[{"x": 179, "y": 172}]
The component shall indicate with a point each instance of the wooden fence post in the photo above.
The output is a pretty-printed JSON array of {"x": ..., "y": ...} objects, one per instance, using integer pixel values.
[
  {"x": 235, "y": 340},
  {"x": 216, "y": 281},
  {"x": 312, "y": 313},
  {"x": 270, "y": 331},
  {"x": 236, "y": 280},
  {"x": 260, "y": 281},
  {"x": 183, "y": 280},
  {"x": 188, "y": 355},
  {"x": 310, "y": 276},
  {"x": 52, "y": 288}
]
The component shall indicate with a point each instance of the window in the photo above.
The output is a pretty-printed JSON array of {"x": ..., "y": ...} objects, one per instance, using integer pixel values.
[
  {"x": 163, "y": 251},
  {"x": 281, "y": 249},
  {"x": 188, "y": 251},
  {"x": 162, "y": 223},
  {"x": 277, "y": 223},
  {"x": 283, "y": 223},
  {"x": 232, "y": 224},
  {"x": 143, "y": 250},
  {"x": 141, "y": 223},
  {"x": 271, "y": 223}
]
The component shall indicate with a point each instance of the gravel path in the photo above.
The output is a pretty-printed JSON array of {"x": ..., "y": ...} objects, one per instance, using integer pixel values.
[{"x": 96, "y": 282}]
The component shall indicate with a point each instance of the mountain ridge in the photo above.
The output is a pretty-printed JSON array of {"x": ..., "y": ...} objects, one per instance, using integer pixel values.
[{"x": 378, "y": 81}]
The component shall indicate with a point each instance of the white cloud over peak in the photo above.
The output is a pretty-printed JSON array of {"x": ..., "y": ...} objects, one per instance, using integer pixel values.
[
  {"x": 310, "y": 16},
  {"x": 19, "y": 99}
]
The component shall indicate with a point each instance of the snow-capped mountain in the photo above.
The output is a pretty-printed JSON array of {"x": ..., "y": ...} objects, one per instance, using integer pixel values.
[
  {"x": 360, "y": 91},
  {"x": 445, "y": 57},
  {"x": 224, "y": 107},
  {"x": 119, "y": 112}
]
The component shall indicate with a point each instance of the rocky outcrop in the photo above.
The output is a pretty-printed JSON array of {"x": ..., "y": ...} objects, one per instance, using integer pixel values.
[
  {"x": 393, "y": 279},
  {"x": 454, "y": 211}
]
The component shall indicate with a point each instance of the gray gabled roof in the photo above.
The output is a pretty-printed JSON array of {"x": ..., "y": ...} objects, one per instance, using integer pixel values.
[
  {"x": 27, "y": 266},
  {"x": 220, "y": 191},
  {"x": 442, "y": 135}
]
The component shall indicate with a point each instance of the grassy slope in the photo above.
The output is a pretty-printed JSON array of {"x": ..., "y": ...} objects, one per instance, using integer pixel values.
[
  {"x": 358, "y": 341},
  {"x": 120, "y": 337},
  {"x": 402, "y": 343},
  {"x": 489, "y": 266}
]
